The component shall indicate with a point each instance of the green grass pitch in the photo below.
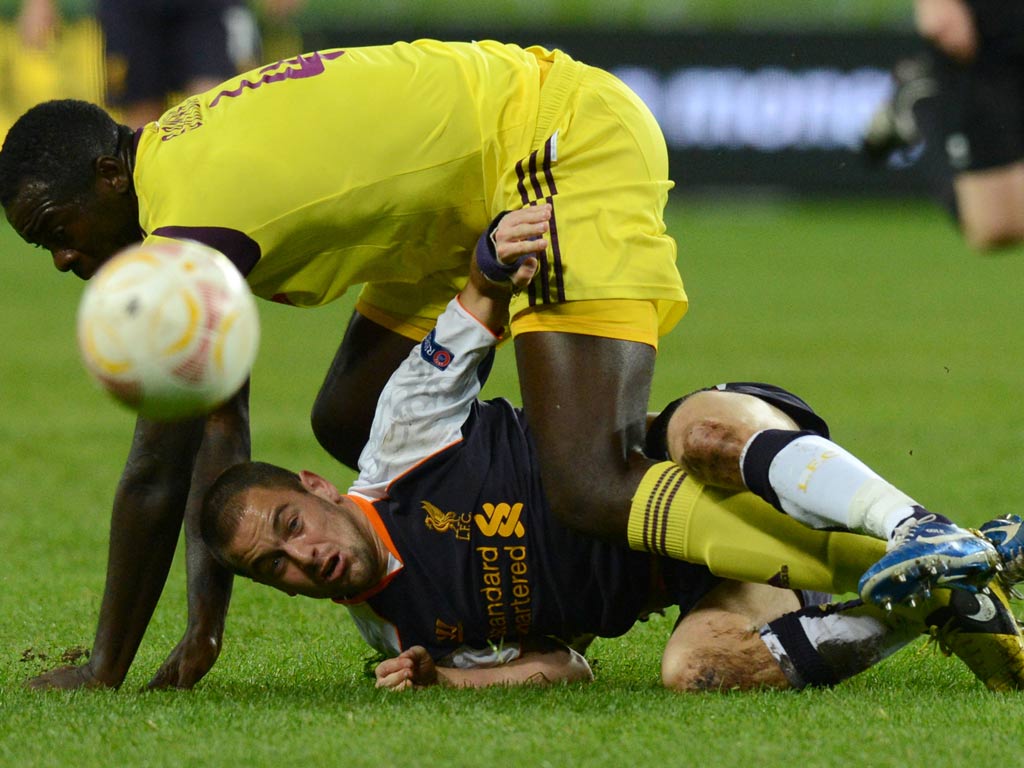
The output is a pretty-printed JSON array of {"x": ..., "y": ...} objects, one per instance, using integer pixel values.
[{"x": 876, "y": 313}]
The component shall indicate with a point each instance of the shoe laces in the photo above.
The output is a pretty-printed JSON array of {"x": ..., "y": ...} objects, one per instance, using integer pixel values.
[
  {"x": 1013, "y": 566},
  {"x": 905, "y": 530}
]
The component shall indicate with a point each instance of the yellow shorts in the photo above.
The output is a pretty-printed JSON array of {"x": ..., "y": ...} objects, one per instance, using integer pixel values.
[{"x": 599, "y": 159}]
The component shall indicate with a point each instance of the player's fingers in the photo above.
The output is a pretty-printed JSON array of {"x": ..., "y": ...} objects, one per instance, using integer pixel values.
[
  {"x": 389, "y": 666},
  {"x": 396, "y": 681},
  {"x": 525, "y": 230},
  {"x": 509, "y": 252},
  {"x": 523, "y": 224},
  {"x": 164, "y": 678},
  {"x": 526, "y": 272},
  {"x": 537, "y": 212}
]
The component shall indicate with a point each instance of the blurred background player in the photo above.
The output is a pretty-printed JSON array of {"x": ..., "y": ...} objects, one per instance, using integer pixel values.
[
  {"x": 158, "y": 50},
  {"x": 965, "y": 95}
]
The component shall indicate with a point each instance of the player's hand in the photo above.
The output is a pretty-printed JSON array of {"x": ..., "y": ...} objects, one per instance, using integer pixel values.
[
  {"x": 523, "y": 233},
  {"x": 949, "y": 25},
  {"x": 413, "y": 668},
  {"x": 188, "y": 662},
  {"x": 504, "y": 258},
  {"x": 64, "y": 679}
]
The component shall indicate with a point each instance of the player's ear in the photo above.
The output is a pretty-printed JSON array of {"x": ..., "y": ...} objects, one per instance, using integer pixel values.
[
  {"x": 111, "y": 172},
  {"x": 319, "y": 486}
]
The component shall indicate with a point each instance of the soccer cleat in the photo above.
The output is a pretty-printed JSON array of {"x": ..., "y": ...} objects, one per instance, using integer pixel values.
[
  {"x": 981, "y": 631},
  {"x": 1007, "y": 535},
  {"x": 924, "y": 554},
  {"x": 893, "y": 126}
]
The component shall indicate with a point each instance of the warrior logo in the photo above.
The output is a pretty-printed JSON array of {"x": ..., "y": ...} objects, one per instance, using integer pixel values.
[
  {"x": 445, "y": 632},
  {"x": 501, "y": 520}
]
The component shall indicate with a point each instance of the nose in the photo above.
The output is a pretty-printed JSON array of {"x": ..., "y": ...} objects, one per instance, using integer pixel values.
[
  {"x": 65, "y": 258},
  {"x": 303, "y": 556}
]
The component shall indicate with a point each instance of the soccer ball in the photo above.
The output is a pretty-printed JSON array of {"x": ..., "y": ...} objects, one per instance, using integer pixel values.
[{"x": 170, "y": 329}]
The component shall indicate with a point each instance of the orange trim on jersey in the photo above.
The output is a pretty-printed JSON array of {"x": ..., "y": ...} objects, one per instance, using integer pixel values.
[
  {"x": 419, "y": 463},
  {"x": 378, "y": 526},
  {"x": 479, "y": 322}
]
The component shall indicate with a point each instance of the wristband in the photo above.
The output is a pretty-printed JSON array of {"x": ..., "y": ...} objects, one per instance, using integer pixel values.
[{"x": 495, "y": 270}]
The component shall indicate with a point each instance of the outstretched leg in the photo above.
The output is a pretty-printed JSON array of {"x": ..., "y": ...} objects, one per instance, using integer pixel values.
[
  {"x": 747, "y": 636},
  {"x": 766, "y": 440}
]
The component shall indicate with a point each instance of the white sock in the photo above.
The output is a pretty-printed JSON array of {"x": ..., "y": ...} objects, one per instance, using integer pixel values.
[
  {"x": 825, "y": 486},
  {"x": 824, "y": 645}
]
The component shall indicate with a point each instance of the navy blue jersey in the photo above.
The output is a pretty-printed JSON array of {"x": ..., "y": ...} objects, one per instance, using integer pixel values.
[
  {"x": 485, "y": 561},
  {"x": 478, "y": 561}
]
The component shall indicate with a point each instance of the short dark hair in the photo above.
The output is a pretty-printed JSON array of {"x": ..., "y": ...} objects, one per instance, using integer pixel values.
[
  {"x": 56, "y": 144},
  {"x": 222, "y": 507}
]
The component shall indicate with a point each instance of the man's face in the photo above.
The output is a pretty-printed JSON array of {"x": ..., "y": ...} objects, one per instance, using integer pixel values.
[
  {"x": 81, "y": 235},
  {"x": 306, "y": 544}
]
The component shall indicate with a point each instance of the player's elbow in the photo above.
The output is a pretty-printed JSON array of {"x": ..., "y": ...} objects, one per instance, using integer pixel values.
[
  {"x": 561, "y": 667},
  {"x": 578, "y": 668}
]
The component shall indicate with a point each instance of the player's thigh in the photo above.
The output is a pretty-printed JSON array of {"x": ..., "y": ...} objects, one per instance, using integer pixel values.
[
  {"x": 344, "y": 407},
  {"x": 991, "y": 205},
  {"x": 390, "y": 319},
  {"x": 586, "y": 401},
  {"x": 717, "y": 645}
]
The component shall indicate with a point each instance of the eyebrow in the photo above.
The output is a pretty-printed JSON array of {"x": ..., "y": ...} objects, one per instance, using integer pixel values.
[
  {"x": 258, "y": 565},
  {"x": 39, "y": 217},
  {"x": 278, "y": 516}
]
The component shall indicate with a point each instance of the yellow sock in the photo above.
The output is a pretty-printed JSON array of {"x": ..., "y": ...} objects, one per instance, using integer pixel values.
[{"x": 740, "y": 536}]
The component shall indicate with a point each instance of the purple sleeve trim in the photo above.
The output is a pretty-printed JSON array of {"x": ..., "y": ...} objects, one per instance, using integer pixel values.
[
  {"x": 487, "y": 258},
  {"x": 242, "y": 250}
]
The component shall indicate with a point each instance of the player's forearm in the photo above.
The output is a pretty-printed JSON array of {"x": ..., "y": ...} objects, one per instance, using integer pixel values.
[
  {"x": 226, "y": 442},
  {"x": 144, "y": 533},
  {"x": 147, "y": 516},
  {"x": 490, "y": 310},
  {"x": 560, "y": 666}
]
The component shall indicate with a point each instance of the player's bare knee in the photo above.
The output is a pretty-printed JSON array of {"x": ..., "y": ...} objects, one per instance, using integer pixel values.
[
  {"x": 687, "y": 675},
  {"x": 718, "y": 650},
  {"x": 732, "y": 664},
  {"x": 708, "y": 669},
  {"x": 709, "y": 448},
  {"x": 709, "y": 430}
]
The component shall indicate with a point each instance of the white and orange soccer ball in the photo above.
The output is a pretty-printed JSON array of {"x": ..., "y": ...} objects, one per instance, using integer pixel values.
[{"x": 170, "y": 329}]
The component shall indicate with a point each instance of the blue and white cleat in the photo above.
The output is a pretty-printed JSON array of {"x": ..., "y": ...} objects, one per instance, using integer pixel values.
[
  {"x": 924, "y": 554},
  {"x": 1007, "y": 534}
]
